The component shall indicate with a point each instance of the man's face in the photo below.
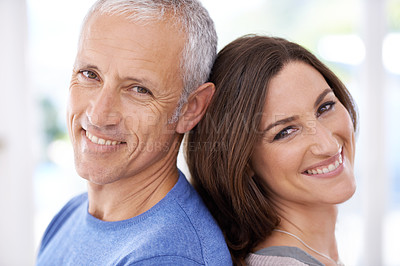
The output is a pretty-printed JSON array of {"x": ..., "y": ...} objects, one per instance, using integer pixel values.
[{"x": 125, "y": 86}]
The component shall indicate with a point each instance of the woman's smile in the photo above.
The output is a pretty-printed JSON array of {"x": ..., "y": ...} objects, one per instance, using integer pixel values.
[
  {"x": 307, "y": 146},
  {"x": 332, "y": 166}
]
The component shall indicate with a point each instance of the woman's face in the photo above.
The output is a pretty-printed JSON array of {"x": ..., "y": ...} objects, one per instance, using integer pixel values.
[{"x": 306, "y": 152}]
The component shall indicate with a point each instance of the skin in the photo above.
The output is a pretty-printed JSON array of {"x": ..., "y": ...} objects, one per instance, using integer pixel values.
[
  {"x": 320, "y": 129},
  {"x": 125, "y": 86}
]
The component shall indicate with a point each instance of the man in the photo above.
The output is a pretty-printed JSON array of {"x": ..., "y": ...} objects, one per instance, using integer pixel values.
[{"x": 138, "y": 84}]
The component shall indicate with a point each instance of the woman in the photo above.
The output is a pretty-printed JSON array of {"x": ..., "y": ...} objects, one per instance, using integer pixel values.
[{"x": 274, "y": 154}]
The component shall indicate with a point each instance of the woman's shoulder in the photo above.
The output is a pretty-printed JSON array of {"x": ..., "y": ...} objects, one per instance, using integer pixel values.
[{"x": 281, "y": 255}]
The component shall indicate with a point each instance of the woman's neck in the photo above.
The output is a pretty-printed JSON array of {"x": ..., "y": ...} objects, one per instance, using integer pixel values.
[{"x": 314, "y": 226}]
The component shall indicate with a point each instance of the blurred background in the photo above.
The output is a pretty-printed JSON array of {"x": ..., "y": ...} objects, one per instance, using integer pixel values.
[{"x": 358, "y": 39}]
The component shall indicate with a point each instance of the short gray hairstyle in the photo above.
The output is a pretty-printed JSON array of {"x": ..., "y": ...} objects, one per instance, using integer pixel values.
[{"x": 200, "y": 49}]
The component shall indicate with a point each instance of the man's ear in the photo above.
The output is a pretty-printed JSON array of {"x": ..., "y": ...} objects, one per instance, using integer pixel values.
[{"x": 195, "y": 108}]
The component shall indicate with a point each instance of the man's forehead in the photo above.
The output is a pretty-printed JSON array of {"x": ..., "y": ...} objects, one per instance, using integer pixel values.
[
  {"x": 166, "y": 19},
  {"x": 117, "y": 30},
  {"x": 147, "y": 52}
]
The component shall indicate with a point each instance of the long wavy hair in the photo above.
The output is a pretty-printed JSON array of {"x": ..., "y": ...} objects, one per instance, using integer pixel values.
[{"x": 219, "y": 148}]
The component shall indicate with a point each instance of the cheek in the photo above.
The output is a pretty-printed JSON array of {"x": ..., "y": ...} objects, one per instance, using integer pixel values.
[
  {"x": 131, "y": 123},
  {"x": 76, "y": 101},
  {"x": 76, "y": 109},
  {"x": 147, "y": 124},
  {"x": 346, "y": 128},
  {"x": 71, "y": 112},
  {"x": 142, "y": 122},
  {"x": 279, "y": 163},
  {"x": 351, "y": 143}
]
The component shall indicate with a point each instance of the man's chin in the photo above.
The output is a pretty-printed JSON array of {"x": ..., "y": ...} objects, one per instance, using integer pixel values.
[
  {"x": 96, "y": 175},
  {"x": 99, "y": 180}
]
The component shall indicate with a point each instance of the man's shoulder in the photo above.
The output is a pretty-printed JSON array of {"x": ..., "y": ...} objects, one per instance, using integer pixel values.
[
  {"x": 184, "y": 208},
  {"x": 71, "y": 206},
  {"x": 186, "y": 224},
  {"x": 178, "y": 230},
  {"x": 62, "y": 216}
]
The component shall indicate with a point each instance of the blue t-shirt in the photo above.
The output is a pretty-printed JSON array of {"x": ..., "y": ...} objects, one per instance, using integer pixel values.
[{"x": 178, "y": 230}]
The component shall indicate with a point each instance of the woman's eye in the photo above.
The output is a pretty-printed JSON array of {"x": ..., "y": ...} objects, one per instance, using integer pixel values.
[
  {"x": 284, "y": 133},
  {"x": 90, "y": 74},
  {"x": 325, "y": 107},
  {"x": 140, "y": 90}
]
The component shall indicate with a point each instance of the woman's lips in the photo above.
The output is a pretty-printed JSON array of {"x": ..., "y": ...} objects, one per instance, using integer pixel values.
[{"x": 327, "y": 166}]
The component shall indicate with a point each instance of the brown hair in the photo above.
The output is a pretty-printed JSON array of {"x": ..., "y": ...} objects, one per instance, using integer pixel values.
[{"x": 218, "y": 149}]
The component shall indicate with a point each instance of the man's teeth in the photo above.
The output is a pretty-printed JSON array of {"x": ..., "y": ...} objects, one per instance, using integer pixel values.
[
  {"x": 327, "y": 169},
  {"x": 101, "y": 141}
]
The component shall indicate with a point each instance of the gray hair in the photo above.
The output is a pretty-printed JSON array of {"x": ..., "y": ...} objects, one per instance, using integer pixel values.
[{"x": 200, "y": 49}]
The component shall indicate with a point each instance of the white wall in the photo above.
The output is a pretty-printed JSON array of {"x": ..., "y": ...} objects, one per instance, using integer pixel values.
[
  {"x": 16, "y": 204},
  {"x": 372, "y": 128}
]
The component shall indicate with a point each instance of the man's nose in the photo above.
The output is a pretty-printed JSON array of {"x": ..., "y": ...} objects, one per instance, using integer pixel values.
[{"x": 104, "y": 109}]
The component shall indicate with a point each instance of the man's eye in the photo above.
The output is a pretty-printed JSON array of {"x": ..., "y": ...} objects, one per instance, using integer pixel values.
[
  {"x": 140, "y": 90},
  {"x": 325, "y": 107},
  {"x": 90, "y": 74},
  {"x": 285, "y": 132}
]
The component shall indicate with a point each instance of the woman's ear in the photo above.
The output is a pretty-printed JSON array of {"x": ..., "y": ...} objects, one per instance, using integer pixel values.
[
  {"x": 249, "y": 170},
  {"x": 195, "y": 108}
]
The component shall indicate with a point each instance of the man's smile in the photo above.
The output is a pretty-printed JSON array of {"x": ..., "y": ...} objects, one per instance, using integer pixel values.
[{"x": 100, "y": 141}]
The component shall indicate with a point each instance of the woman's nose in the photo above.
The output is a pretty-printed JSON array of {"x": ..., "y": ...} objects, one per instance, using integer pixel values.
[{"x": 323, "y": 141}]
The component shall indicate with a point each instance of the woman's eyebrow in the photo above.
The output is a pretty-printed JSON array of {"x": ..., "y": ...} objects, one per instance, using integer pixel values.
[
  {"x": 322, "y": 96},
  {"x": 280, "y": 122},
  {"x": 292, "y": 118}
]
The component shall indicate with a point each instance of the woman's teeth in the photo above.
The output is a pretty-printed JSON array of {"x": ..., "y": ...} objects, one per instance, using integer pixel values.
[
  {"x": 327, "y": 169},
  {"x": 101, "y": 141}
]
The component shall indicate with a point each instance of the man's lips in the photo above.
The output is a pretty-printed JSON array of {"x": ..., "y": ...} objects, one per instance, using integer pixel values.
[{"x": 101, "y": 141}]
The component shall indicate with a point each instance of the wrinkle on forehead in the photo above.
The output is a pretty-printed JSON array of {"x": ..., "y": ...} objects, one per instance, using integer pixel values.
[{"x": 132, "y": 49}]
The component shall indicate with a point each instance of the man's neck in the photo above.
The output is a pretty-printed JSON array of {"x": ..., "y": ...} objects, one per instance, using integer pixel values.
[{"x": 130, "y": 197}]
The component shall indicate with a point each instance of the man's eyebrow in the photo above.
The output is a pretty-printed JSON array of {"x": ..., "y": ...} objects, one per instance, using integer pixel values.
[
  {"x": 144, "y": 81},
  {"x": 281, "y": 122},
  {"x": 321, "y": 97},
  {"x": 79, "y": 65}
]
